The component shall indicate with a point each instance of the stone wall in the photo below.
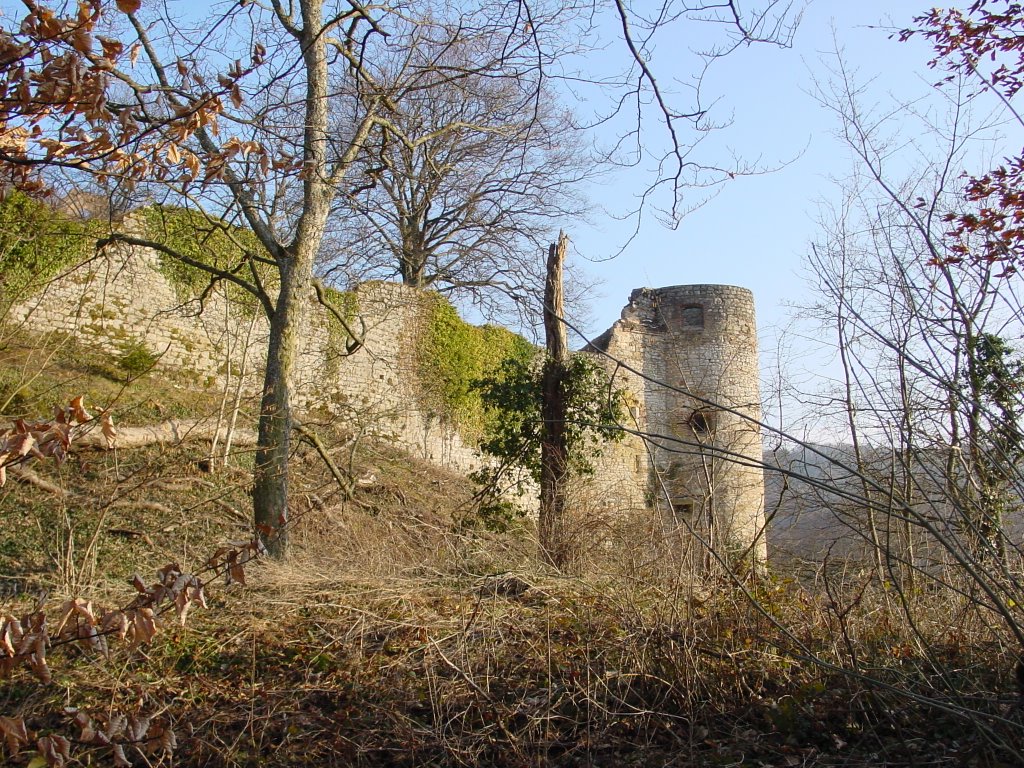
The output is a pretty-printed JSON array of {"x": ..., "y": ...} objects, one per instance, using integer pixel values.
[{"x": 121, "y": 297}]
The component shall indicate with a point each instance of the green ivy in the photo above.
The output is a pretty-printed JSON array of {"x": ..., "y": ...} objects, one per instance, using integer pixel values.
[
  {"x": 453, "y": 355},
  {"x": 513, "y": 397},
  {"x": 37, "y": 244},
  {"x": 346, "y": 303},
  {"x": 198, "y": 236}
]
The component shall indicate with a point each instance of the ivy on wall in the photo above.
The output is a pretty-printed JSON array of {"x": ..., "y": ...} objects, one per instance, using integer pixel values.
[
  {"x": 203, "y": 238},
  {"x": 37, "y": 243},
  {"x": 454, "y": 355}
]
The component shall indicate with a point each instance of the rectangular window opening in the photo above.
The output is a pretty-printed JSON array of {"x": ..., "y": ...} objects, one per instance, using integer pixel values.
[{"x": 692, "y": 316}]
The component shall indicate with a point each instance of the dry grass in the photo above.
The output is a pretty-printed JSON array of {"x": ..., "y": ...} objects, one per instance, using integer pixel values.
[{"x": 393, "y": 635}]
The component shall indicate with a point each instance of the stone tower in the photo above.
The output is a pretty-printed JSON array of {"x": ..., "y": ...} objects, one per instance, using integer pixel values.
[{"x": 697, "y": 459}]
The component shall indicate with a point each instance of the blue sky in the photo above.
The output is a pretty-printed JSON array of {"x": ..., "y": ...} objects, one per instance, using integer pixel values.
[{"x": 754, "y": 233}]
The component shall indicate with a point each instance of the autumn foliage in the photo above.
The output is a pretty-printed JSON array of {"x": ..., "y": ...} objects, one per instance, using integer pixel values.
[
  {"x": 985, "y": 43},
  {"x": 26, "y": 641},
  {"x": 57, "y": 70}
]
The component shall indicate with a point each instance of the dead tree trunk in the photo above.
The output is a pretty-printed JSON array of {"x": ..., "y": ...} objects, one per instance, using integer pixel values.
[{"x": 555, "y": 547}]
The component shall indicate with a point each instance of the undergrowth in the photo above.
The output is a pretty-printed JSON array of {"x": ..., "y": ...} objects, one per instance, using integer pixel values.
[{"x": 394, "y": 635}]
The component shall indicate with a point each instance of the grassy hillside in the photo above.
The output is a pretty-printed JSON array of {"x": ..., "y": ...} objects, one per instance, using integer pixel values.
[{"x": 401, "y": 633}]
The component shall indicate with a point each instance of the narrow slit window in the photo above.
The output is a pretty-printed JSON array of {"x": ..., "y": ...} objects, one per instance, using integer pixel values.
[{"x": 682, "y": 511}]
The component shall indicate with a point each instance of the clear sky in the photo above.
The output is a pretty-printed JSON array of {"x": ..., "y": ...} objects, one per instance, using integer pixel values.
[{"x": 754, "y": 233}]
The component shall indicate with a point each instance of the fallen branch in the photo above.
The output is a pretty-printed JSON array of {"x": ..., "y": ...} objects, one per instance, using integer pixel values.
[{"x": 169, "y": 432}]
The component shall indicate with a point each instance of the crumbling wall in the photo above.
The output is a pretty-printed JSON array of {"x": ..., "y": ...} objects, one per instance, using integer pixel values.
[
  {"x": 686, "y": 356},
  {"x": 120, "y": 297}
]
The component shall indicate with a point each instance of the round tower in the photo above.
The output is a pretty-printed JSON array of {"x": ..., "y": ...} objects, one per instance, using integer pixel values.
[{"x": 702, "y": 408}]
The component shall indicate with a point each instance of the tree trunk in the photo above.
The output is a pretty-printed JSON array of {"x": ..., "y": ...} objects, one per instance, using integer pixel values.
[
  {"x": 270, "y": 488},
  {"x": 295, "y": 267},
  {"x": 554, "y": 464}
]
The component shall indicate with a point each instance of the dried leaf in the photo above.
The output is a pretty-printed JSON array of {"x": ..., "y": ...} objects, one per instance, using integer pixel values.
[
  {"x": 37, "y": 661},
  {"x": 143, "y": 626},
  {"x": 78, "y": 412},
  {"x": 168, "y": 741},
  {"x": 138, "y": 727},
  {"x": 10, "y": 633},
  {"x": 120, "y": 759},
  {"x": 115, "y": 621},
  {"x": 116, "y": 726},
  {"x": 182, "y": 603},
  {"x": 111, "y": 48},
  {"x": 129, "y": 6},
  {"x": 22, "y": 444},
  {"x": 56, "y": 750},
  {"x": 107, "y": 428},
  {"x": 14, "y": 732}
]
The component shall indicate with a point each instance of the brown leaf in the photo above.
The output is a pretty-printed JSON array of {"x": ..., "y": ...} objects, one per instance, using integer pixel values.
[
  {"x": 14, "y": 732},
  {"x": 120, "y": 759},
  {"x": 129, "y": 6},
  {"x": 116, "y": 726},
  {"x": 115, "y": 621},
  {"x": 169, "y": 575},
  {"x": 237, "y": 573},
  {"x": 168, "y": 741},
  {"x": 138, "y": 727},
  {"x": 111, "y": 48},
  {"x": 55, "y": 750},
  {"x": 10, "y": 633},
  {"x": 181, "y": 605},
  {"x": 37, "y": 661},
  {"x": 78, "y": 412},
  {"x": 21, "y": 445},
  {"x": 143, "y": 626},
  {"x": 107, "y": 428}
]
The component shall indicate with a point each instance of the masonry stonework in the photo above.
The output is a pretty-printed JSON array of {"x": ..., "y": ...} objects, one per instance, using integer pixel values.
[
  {"x": 120, "y": 297},
  {"x": 687, "y": 356}
]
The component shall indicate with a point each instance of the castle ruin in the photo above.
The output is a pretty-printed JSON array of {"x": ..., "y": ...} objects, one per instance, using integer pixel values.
[
  {"x": 688, "y": 361},
  {"x": 687, "y": 354}
]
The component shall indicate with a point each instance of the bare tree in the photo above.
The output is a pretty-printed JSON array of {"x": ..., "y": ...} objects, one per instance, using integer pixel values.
[
  {"x": 278, "y": 142},
  {"x": 928, "y": 352},
  {"x": 464, "y": 211}
]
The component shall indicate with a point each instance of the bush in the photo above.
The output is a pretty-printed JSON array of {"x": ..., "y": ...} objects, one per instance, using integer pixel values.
[{"x": 136, "y": 359}]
